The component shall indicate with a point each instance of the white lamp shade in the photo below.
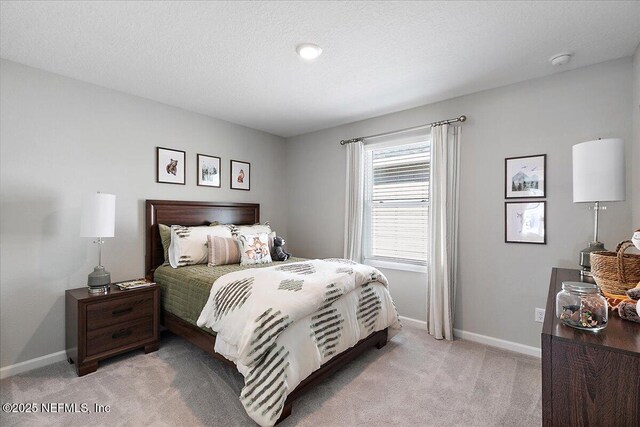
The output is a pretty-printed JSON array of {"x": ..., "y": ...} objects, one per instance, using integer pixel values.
[
  {"x": 598, "y": 171},
  {"x": 98, "y": 215}
]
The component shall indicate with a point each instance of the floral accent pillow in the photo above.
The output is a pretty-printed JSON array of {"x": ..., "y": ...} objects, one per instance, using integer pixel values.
[{"x": 254, "y": 249}]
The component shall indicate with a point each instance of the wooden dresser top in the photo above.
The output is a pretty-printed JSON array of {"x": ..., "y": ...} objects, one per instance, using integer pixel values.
[{"x": 619, "y": 335}]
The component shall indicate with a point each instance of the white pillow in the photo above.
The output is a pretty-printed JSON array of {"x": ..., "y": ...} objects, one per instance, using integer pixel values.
[
  {"x": 252, "y": 229},
  {"x": 189, "y": 244},
  {"x": 254, "y": 249}
]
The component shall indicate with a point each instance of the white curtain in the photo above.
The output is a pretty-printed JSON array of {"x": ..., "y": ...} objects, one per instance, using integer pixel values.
[
  {"x": 354, "y": 202},
  {"x": 443, "y": 251}
]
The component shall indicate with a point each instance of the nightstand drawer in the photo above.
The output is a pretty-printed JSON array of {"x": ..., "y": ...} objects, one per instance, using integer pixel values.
[
  {"x": 119, "y": 335},
  {"x": 119, "y": 310}
]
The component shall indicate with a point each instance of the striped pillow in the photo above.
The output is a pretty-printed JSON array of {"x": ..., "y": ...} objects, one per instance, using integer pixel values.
[{"x": 223, "y": 250}]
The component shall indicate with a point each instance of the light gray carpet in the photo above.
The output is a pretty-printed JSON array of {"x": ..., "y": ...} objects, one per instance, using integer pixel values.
[{"x": 413, "y": 381}]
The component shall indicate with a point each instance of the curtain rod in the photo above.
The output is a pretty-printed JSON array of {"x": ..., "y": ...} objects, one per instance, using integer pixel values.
[{"x": 441, "y": 122}]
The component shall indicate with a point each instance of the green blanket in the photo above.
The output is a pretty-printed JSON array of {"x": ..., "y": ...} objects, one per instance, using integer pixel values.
[{"x": 185, "y": 290}]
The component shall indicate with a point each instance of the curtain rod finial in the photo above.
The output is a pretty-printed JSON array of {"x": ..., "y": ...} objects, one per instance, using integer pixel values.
[{"x": 462, "y": 118}]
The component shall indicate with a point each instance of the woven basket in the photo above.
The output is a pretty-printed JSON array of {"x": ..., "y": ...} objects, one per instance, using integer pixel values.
[{"x": 616, "y": 272}]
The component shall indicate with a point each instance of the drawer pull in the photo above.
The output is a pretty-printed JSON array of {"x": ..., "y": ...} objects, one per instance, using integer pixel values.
[
  {"x": 122, "y": 311},
  {"x": 121, "y": 333}
]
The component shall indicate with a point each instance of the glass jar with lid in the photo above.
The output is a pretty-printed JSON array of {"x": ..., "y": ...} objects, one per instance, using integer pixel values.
[{"x": 582, "y": 306}]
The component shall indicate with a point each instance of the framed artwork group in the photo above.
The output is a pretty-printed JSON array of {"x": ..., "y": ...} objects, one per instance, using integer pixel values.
[
  {"x": 525, "y": 178},
  {"x": 171, "y": 169}
]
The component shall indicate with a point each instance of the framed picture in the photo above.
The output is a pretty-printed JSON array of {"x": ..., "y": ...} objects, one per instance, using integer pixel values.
[
  {"x": 240, "y": 175},
  {"x": 208, "y": 170},
  {"x": 525, "y": 176},
  {"x": 525, "y": 222},
  {"x": 171, "y": 166}
]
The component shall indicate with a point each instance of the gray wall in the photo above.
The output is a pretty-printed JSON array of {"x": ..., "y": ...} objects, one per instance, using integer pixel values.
[
  {"x": 62, "y": 138},
  {"x": 499, "y": 284}
]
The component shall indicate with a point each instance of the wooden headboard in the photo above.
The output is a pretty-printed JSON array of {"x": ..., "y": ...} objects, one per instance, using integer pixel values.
[{"x": 172, "y": 212}]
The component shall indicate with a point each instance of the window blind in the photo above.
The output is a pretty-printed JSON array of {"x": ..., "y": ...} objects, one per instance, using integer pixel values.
[{"x": 397, "y": 203}]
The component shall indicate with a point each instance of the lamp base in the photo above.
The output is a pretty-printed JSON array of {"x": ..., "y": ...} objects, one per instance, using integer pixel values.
[
  {"x": 586, "y": 273},
  {"x": 99, "y": 280},
  {"x": 585, "y": 257},
  {"x": 98, "y": 290}
]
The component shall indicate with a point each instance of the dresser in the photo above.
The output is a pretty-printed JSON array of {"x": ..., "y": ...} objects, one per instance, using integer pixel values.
[
  {"x": 589, "y": 378},
  {"x": 102, "y": 326}
]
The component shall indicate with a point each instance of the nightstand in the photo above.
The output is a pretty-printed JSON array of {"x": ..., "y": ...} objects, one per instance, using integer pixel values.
[{"x": 102, "y": 326}]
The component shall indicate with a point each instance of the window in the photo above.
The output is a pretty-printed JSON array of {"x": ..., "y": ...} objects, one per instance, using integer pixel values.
[{"x": 397, "y": 204}]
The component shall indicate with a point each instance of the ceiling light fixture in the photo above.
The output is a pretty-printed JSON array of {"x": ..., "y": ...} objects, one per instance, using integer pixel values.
[
  {"x": 560, "y": 59},
  {"x": 308, "y": 51}
]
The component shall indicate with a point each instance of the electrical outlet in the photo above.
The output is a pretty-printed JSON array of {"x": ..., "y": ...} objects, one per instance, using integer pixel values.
[{"x": 539, "y": 315}]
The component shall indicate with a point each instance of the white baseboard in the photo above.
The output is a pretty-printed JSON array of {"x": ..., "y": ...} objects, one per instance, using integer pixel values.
[
  {"x": 59, "y": 356},
  {"x": 481, "y": 339},
  {"x": 414, "y": 323},
  {"x": 497, "y": 342},
  {"x": 27, "y": 365}
]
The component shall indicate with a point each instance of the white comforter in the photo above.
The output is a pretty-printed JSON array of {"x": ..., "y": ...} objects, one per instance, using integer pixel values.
[{"x": 279, "y": 324}]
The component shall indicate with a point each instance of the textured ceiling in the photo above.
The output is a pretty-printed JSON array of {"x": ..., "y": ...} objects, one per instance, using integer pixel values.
[{"x": 236, "y": 60}]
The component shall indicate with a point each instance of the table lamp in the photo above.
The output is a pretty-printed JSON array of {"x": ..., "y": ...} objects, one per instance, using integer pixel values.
[
  {"x": 98, "y": 220},
  {"x": 598, "y": 176}
]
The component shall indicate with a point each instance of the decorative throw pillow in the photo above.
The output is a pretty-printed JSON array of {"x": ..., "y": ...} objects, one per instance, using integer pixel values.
[
  {"x": 223, "y": 251},
  {"x": 255, "y": 249},
  {"x": 165, "y": 238},
  {"x": 239, "y": 230},
  {"x": 189, "y": 244}
]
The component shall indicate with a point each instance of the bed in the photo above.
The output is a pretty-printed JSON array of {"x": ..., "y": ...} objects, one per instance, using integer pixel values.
[{"x": 180, "y": 318}]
